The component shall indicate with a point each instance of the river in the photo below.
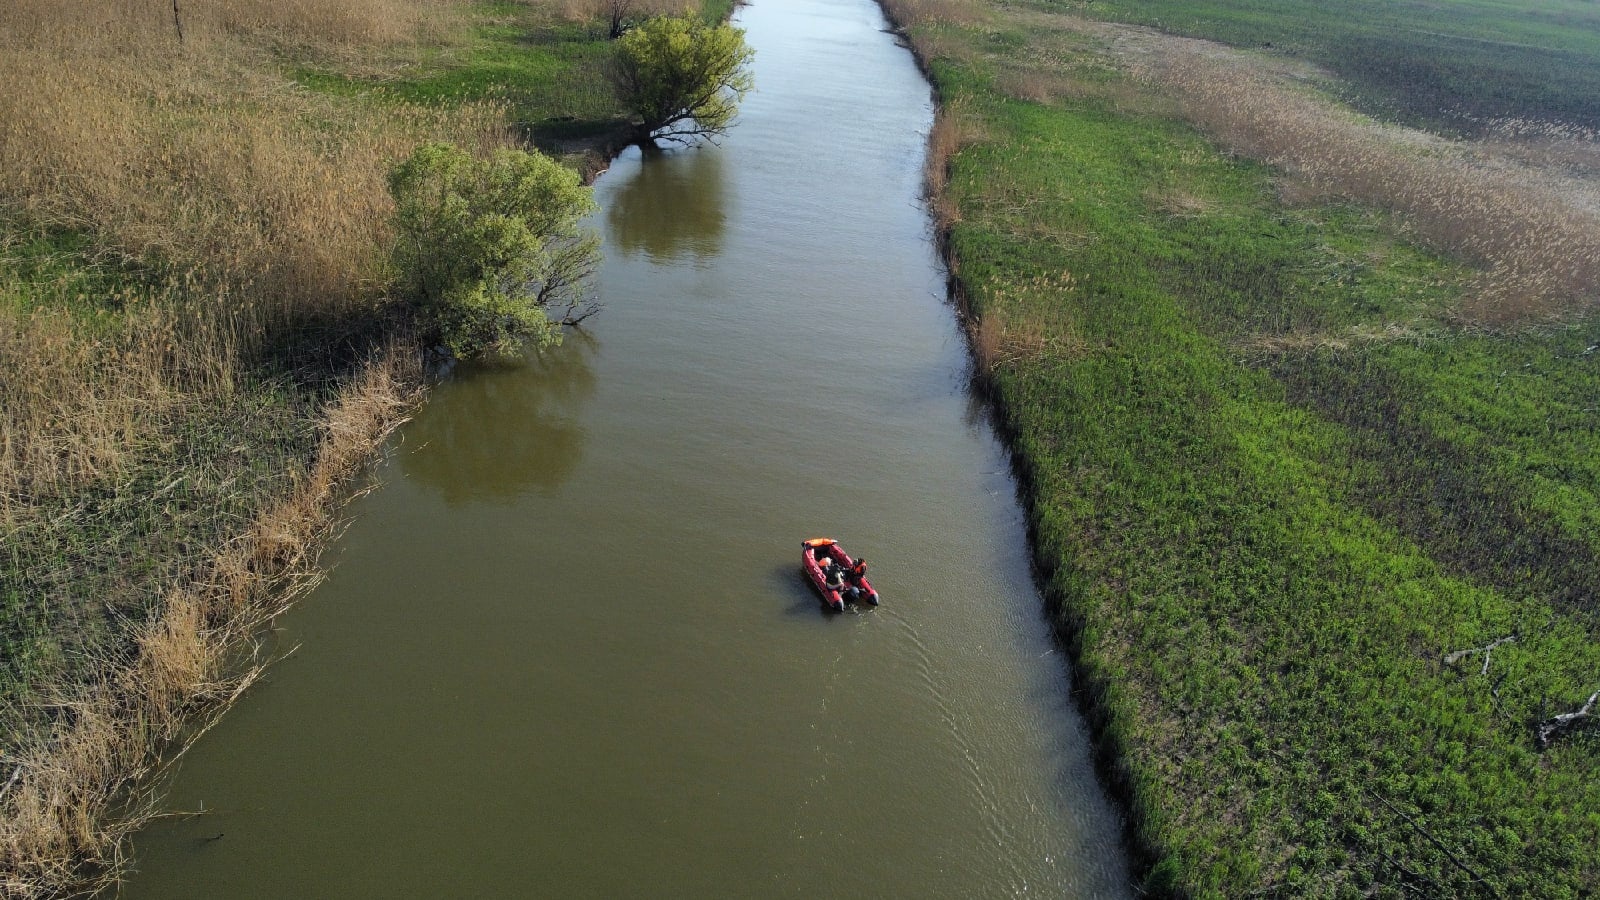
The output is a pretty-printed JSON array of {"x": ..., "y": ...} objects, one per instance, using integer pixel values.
[{"x": 565, "y": 649}]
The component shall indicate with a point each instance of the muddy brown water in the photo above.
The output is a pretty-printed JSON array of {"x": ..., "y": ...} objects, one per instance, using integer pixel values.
[{"x": 565, "y": 649}]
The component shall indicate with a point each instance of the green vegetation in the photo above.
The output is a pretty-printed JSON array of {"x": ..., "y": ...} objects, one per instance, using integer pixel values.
[
  {"x": 487, "y": 247},
  {"x": 683, "y": 79},
  {"x": 550, "y": 72},
  {"x": 556, "y": 75},
  {"x": 1275, "y": 486},
  {"x": 1460, "y": 63}
]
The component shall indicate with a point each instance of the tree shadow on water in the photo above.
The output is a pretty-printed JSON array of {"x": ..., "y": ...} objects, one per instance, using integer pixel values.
[
  {"x": 502, "y": 431},
  {"x": 672, "y": 209}
]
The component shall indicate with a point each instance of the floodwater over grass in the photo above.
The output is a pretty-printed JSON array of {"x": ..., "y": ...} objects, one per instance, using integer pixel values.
[{"x": 566, "y": 649}]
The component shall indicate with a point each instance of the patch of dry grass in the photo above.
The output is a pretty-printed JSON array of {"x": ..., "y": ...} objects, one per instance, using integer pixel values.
[
  {"x": 265, "y": 206},
  {"x": 137, "y": 27},
  {"x": 205, "y": 166},
  {"x": 1539, "y": 249},
  {"x": 189, "y": 662},
  {"x": 241, "y": 210},
  {"x": 952, "y": 130},
  {"x": 908, "y": 14}
]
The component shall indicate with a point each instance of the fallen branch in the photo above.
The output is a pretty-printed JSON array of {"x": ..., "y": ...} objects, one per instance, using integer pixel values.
[
  {"x": 1448, "y": 854},
  {"x": 1420, "y": 830},
  {"x": 1552, "y": 728},
  {"x": 1452, "y": 658},
  {"x": 16, "y": 774},
  {"x": 1416, "y": 876}
]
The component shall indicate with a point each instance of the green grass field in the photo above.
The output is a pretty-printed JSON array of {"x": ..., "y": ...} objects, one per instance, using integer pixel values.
[
  {"x": 1262, "y": 547},
  {"x": 550, "y": 73}
]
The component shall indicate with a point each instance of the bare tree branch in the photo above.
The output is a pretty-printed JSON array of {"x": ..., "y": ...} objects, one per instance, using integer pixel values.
[
  {"x": 1553, "y": 727},
  {"x": 1453, "y": 658},
  {"x": 15, "y": 775},
  {"x": 1448, "y": 853}
]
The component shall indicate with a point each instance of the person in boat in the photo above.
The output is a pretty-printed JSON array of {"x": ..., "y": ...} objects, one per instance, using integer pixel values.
[
  {"x": 832, "y": 574},
  {"x": 856, "y": 581}
]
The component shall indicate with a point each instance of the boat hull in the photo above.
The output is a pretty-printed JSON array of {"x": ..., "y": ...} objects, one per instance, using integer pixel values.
[{"x": 813, "y": 554}]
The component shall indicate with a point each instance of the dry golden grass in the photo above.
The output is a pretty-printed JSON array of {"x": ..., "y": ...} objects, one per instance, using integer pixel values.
[
  {"x": 631, "y": 10},
  {"x": 1536, "y": 242},
  {"x": 908, "y": 14},
  {"x": 256, "y": 207},
  {"x": 72, "y": 407},
  {"x": 952, "y": 130},
  {"x": 216, "y": 169},
  {"x": 267, "y": 203},
  {"x": 63, "y": 790},
  {"x": 139, "y": 27}
]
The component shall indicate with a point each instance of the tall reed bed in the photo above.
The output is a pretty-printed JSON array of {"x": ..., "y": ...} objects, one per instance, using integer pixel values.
[
  {"x": 198, "y": 165},
  {"x": 137, "y": 27},
  {"x": 187, "y": 378},
  {"x": 67, "y": 806},
  {"x": 246, "y": 207}
]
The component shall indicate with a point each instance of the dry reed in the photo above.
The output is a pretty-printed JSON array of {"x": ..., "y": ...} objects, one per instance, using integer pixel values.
[
  {"x": 137, "y": 27},
  {"x": 268, "y": 204},
  {"x": 630, "y": 10},
  {"x": 910, "y": 14},
  {"x": 216, "y": 170},
  {"x": 953, "y": 129},
  {"x": 247, "y": 207},
  {"x": 65, "y": 787}
]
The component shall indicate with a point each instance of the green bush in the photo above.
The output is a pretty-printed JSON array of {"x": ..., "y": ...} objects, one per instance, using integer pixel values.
[
  {"x": 683, "y": 79},
  {"x": 487, "y": 248}
]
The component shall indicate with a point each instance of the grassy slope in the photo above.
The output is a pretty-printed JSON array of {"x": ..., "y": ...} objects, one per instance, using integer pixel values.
[
  {"x": 1448, "y": 62},
  {"x": 1264, "y": 556}
]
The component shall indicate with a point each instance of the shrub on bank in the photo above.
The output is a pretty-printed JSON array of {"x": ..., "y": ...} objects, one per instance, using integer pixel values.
[{"x": 488, "y": 248}]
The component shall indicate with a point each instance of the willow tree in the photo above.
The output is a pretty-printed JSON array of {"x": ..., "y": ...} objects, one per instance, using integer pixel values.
[
  {"x": 492, "y": 252},
  {"x": 681, "y": 78}
]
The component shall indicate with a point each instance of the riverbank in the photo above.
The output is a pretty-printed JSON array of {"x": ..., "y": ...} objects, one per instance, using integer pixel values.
[
  {"x": 197, "y": 353},
  {"x": 1299, "y": 405}
]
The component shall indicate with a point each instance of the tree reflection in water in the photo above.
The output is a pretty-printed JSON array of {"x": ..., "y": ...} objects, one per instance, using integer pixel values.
[
  {"x": 674, "y": 211},
  {"x": 505, "y": 430}
]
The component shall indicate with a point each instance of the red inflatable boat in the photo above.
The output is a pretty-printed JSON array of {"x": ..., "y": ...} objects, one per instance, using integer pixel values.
[{"x": 831, "y": 572}]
